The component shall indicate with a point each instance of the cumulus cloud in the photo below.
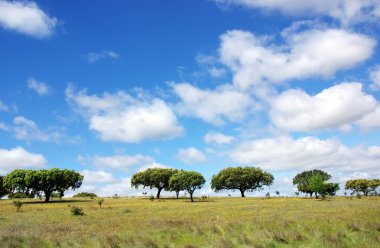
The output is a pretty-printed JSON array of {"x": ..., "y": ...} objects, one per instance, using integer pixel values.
[
  {"x": 91, "y": 177},
  {"x": 191, "y": 155},
  {"x": 212, "y": 106},
  {"x": 122, "y": 162},
  {"x": 26, "y": 18},
  {"x": 96, "y": 56},
  {"x": 310, "y": 53},
  {"x": 370, "y": 121},
  {"x": 39, "y": 87},
  {"x": 286, "y": 153},
  {"x": 344, "y": 11},
  {"x": 121, "y": 117},
  {"x": 4, "y": 126},
  {"x": 338, "y": 105},
  {"x": 19, "y": 158},
  {"x": 374, "y": 75},
  {"x": 25, "y": 129},
  {"x": 217, "y": 138}
]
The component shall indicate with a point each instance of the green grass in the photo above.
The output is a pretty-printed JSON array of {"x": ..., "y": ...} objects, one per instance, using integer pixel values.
[{"x": 217, "y": 222}]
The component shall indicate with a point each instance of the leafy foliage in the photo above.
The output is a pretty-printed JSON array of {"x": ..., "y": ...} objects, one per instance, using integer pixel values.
[
  {"x": 18, "y": 205},
  {"x": 85, "y": 194},
  {"x": 318, "y": 185},
  {"x": 241, "y": 178},
  {"x": 3, "y": 190},
  {"x": 153, "y": 178},
  {"x": 187, "y": 180},
  {"x": 76, "y": 210},
  {"x": 32, "y": 182},
  {"x": 302, "y": 180},
  {"x": 363, "y": 185}
]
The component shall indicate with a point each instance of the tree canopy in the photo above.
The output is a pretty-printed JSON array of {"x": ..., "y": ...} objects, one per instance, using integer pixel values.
[
  {"x": 187, "y": 180},
  {"x": 363, "y": 185},
  {"x": 32, "y": 182},
  {"x": 319, "y": 186},
  {"x": 242, "y": 179},
  {"x": 153, "y": 178},
  {"x": 3, "y": 190},
  {"x": 302, "y": 180}
]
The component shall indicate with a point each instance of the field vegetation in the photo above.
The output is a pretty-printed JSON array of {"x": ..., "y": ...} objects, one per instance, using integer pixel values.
[{"x": 207, "y": 222}]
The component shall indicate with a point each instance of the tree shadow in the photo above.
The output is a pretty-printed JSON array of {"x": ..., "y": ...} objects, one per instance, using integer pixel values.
[{"x": 55, "y": 201}]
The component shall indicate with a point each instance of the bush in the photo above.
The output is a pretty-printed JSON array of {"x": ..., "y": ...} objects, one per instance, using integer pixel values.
[
  {"x": 18, "y": 205},
  {"x": 19, "y": 195},
  {"x": 100, "y": 202},
  {"x": 151, "y": 198},
  {"x": 76, "y": 210},
  {"x": 85, "y": 194}
]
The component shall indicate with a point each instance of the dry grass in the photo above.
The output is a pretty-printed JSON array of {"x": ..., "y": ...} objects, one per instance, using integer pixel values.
[{"x": 219, "y": 222}]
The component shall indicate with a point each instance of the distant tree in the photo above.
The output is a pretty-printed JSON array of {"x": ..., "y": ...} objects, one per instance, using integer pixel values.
[
  {"x": 3, "y": 190},
  {"x": 32, "y": 182},
  {"x": 242, "y": 179},
  {"x": 86, "y": 194},
  {"x": 362, "y": 185},
  {"x": 187, "y": 180},
  {"x": 302, "y": 180},
  {"x": 277, "y": 193},
  {"x": 319, "y": 186},
  {"x": 153, "y": 178}
]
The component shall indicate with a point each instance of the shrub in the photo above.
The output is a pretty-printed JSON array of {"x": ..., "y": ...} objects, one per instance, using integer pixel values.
[
  {"x": 100, "y": 202},
  {"x": 151, "y": 197},
  {"x": 76, "y": 210},
  {"x": 19, "y": 195},
  {"x": 86, "y": 194},
  {"x": 267, "y": 195},
  {"x": 18, "y": 205}
]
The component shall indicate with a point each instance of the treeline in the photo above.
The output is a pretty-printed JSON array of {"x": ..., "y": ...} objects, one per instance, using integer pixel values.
[{"x": 32, "y": 183}]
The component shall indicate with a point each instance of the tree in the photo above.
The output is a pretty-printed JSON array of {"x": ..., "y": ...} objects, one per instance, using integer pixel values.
[
  {"x": 187, "y": 180},
  {"x": 34, "y": 182},
  {"x": 3, "y": 189},
  {"x": 242, "y": 179},
  {"x": 302, "y": 180},
  {"x": 362, "y": 185},
  {"x": 153, "y": 178},
  {"x": 319, "y": 186}
]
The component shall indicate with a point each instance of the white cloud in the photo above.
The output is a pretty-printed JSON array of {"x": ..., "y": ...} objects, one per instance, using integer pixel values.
[
  {"x": 191, "y": 155},
  {"x": 121, "y": 117},
  {"x": 153, "y": 165},
  {"x": 3, "y": 107},
  {"x": 96, "y": 56},
  {"x": 25, "y": 129},
  {"x": 338, "y": 105},
  {"x": 19, "y": 158},
  {"x": 370, "y": 121},
  {"x": 285, "y": 153},
  {"x": 39, "y": 87},
  {"x": 345, "y": 11},
  {"x": 212, "y": 106},
  {"x": 305, "y": 54},
  {"x": 26, "y": 18},
  {"x": 122, "y": 162},
  {"x": 217, "y": 138},
  {"x": 92, "y": 177},
  {"x": 374, "y": 75}
]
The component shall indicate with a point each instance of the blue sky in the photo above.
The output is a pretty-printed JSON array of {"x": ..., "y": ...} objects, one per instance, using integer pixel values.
[{"x": 110, "y": 89}]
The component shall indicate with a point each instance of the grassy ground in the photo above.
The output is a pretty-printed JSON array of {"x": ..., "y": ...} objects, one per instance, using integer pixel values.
[{"x": 217, "y": 222}]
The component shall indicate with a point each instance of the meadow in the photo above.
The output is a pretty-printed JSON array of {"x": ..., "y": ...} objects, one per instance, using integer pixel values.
[{"x": 212, "y": 222}]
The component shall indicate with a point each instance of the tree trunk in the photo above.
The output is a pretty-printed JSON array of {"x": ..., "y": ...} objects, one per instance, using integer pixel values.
[
  {"x": 158, "y": 193},
  {"x": 177, "y": 193},
  {"x": 191, "y": 196},
  {"x": 47, "y": 196},
  {"x": 242, "y": 192}
]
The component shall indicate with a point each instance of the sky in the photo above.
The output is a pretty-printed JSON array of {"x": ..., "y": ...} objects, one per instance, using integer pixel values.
[{"x": 109, "y": 89}]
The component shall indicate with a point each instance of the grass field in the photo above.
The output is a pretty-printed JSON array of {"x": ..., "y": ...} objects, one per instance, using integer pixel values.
[{"x": 217, "y": 222}]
